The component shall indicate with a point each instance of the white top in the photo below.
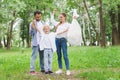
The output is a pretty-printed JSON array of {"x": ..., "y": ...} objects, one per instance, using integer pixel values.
[
  {"x": 60, "y": 28},
  {"x": 47, "y": 41}
]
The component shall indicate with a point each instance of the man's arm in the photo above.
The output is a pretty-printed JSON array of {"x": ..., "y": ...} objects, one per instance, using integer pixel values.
[{"x": 34, "y": 26}]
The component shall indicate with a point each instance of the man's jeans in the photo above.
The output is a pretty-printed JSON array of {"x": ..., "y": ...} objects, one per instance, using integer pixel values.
[
  {"x": 48, "y": 53},
  {"x": 61, "y": 43},
  {"x": 35, "y": 50}
]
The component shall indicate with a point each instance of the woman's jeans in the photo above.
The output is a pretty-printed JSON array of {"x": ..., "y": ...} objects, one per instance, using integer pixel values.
[
  {"x": 61, "y": 44},
  {"x": 35, "y": 50}
]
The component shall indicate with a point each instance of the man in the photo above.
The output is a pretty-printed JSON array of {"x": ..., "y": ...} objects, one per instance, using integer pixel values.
[{"x": 35, "y": 40}]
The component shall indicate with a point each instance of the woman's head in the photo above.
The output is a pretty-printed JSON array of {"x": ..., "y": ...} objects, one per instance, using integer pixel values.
[{"x": 62, "y": 17}]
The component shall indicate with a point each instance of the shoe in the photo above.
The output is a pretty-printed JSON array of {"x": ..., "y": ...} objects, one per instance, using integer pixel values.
[
  {"x": 46, "y": 72},
  {"x": 68, "y": 72},
  {"x": 50, "y": 72},
  {"x": 59, "y": 71},
  {"x": 42, "y": 71},
  {"x": 33, "y": 73}
]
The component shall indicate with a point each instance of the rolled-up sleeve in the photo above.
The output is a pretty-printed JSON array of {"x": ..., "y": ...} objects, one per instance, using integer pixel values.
[{"x": 32, "y": 31}]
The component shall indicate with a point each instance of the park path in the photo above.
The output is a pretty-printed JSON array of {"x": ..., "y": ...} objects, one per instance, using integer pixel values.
[{"x": 74, "y": 73}]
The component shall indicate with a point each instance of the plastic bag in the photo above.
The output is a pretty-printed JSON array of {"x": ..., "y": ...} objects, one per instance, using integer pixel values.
[{"x": 74, "y": 35}]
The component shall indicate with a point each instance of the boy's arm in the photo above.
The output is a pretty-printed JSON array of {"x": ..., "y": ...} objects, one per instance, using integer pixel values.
[{"x": 34, "y": 26}]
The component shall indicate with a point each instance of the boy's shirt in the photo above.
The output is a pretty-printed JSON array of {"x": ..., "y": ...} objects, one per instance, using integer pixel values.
[{"x": 47, "y": 41}]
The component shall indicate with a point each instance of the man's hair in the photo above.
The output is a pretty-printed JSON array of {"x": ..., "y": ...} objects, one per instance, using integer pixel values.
[{"x": 37, "y": 12}]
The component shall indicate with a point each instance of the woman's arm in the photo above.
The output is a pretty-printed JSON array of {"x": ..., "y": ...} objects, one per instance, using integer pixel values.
[
  {"x": 63, "y": 31},
  {"x": 53, "y": 21}
]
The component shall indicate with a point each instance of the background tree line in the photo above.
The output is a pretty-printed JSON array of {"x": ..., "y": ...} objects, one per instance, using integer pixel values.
[{"x": 99, "y": 20}]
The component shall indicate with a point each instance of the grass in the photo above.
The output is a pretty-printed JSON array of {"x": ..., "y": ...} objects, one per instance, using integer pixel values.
[{"x": 86, "y": 63}]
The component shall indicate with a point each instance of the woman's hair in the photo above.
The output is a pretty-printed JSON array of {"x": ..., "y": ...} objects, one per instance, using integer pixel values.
[{"x": 63, "y": 14}]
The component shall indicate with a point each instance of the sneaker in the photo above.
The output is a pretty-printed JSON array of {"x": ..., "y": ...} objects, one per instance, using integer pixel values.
[
  {"x": 50, "y": 72},
  {"x": 33, "y": 73},
  {"x": 46, "y": 72},
  {"x": 59, "y": 71},
  {"x": 42, "y": 71},
  {"x": 68, "y": 72}
]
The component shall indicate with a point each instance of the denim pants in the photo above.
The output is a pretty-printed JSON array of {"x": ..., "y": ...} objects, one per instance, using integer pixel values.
[
  {"x": 61, "y": 44},
  {"x": 48, "y": 53},
  {"x": 35, "y": 50}
]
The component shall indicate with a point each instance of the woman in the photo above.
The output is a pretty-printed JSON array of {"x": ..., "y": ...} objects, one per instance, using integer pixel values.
[{"x": 61, "y": 42}]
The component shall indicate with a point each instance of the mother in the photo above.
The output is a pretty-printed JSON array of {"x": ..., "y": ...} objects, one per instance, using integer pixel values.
[{"x": 61, "y": 41}]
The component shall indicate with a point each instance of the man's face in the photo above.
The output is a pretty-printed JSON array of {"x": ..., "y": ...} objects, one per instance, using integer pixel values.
[{"x": 38, "y": 17}]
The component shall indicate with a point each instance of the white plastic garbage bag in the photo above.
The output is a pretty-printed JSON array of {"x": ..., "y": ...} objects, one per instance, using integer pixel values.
[{"x": 74, "y": 33}]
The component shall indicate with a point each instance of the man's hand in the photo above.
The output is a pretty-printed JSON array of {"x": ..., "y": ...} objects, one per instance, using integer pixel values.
[{"x": 33, "y": 24}]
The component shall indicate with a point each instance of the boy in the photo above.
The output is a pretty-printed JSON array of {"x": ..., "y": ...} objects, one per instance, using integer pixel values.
[{"x": 47, "y": 43}]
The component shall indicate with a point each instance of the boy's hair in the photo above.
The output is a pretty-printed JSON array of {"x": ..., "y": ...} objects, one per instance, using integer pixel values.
[
  {"x": 46, "y": 26},
  {"x": 37, "y": 12}
]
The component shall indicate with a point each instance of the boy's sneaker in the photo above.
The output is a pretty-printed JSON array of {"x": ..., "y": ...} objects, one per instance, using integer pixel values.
[
  {"x": 46, "y": 72},
  {"x": 68, "y": 72},
  {"x": 33, "y": 73},
  {"x": 50, "y": 72},
  {"x": 59, "y": 71},
  {"x": 42, "y": 71}
]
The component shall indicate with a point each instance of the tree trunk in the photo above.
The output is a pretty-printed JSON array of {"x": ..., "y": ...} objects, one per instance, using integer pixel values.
[
  {"x": 115, "y": 34},
  {"x": 119, "y": 22},
  {"x": 83, "y": 31},
  {"x": 1, "y": 43},
  {"x": 9, "y": 36},
  {"x": 89, "y": 33},
  {"x": 5, "y": 44},
  {"x": 87, "y": 11},
  {"x": 102, "y": 26},
  {"x": 89, "y": 18},
  {"x": 28, "y": 37}
]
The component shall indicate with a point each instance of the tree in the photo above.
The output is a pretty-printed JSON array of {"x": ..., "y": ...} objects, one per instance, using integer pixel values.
[
  {"x": 10, "y": 14},
  {"x": 102, "y": 26}
]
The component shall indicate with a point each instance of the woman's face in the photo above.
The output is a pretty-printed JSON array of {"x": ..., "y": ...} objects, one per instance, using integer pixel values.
[{"x": 62, "y": 18}]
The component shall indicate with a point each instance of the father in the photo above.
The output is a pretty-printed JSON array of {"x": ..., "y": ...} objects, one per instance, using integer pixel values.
[{"x": 35, "y": 47}]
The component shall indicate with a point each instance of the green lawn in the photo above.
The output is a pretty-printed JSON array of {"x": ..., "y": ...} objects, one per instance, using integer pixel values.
[{"x": 86, "y": 63}]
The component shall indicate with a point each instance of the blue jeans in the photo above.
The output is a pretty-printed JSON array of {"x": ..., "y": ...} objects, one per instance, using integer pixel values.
[
  {"x": 48, "y": 53},
  {"x": 61, "y": 44},
  {"x": 35, "y": 50}
]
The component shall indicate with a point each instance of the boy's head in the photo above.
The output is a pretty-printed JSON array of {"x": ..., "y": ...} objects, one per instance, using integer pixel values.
[{"x": 46, "y": 29}]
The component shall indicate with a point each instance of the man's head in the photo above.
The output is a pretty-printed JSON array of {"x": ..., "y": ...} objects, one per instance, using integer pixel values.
[{"x": 37, "y": 15}]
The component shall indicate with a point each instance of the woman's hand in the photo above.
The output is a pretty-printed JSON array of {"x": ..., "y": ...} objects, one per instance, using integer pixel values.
[
  {"x": 54, "y": 11},
  {"x": 74, "y": 17}
]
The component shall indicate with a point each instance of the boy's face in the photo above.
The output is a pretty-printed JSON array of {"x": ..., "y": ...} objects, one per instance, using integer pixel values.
[{"x": 46, "y": 30}]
